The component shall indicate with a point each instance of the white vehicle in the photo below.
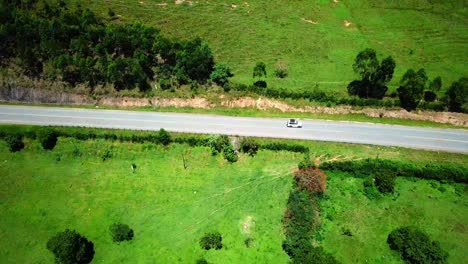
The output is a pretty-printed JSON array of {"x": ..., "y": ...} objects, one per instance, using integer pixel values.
[{"x": 294, "y": 123}]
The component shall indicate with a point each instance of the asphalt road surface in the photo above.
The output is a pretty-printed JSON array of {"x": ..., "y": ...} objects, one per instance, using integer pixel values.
[{"x": 451, "y": 140}]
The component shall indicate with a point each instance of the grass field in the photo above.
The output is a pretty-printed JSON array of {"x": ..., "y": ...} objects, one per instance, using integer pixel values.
[
  {"x": 441, "y": 210},
  {"x": 170, "y": 208},
  {"x": 317, "y": 39}
]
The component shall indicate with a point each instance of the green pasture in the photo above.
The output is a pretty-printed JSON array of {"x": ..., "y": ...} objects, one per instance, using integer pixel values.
[{"x": 317, "y": 39}]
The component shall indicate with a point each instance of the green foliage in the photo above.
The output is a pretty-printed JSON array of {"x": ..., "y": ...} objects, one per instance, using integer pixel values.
[
  {"x": 370, "y": 167},
  {"x": 436, "y": 84},
  {"x": 411, "y": 88},
  {"x": 260, "y": 84},
  {"x": 14, "y": 142},
  {"x": 429, "y": 96},
  {"x": 121, "y": 232},
  {"x": 306, "y": 162},
  {"x": 370, "y": 191},
  {"x": 211, "y": 240},
  {"x": 76, "y": 46},
  {"x": 374, "y": 76},
  {"x": 202, "y": 261},
  {"x": 259, "y": 71},
  {"x": 47, "y": 137},
  {"x": 415, "y": 246},
  {"x": 385, "y": 182},
  {"x": 458, "y": 96},
  {"x": 69, "y": 247},
  {"x": 249, "y": 146},
  {"x": 284, "y": 146},
  {"x": 164, "y": 137},
  {"x": 218, "y": 142},
  {"x": 281, "y": 69},
  {"x": 221, "y": 74},
  {"x": 229, "y": 154}
]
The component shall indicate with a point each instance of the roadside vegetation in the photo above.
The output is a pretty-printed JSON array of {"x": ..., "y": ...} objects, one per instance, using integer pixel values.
[
  {"x": 116, "y": 195},
  {"x": 99, "y": 54}
]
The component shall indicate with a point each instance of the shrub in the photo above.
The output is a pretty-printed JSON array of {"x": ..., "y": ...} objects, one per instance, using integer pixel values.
[
  {"x": 70, "y": 247},
  {"x": 370, "y": 191},
  {"x": 281, "y": 69},
  {"x": 14, "y": 142},
  {"x": 202, "y": 261},
  {"x": 249, "y": 242},
  {"x": 260, "y": 84},
  {"x": 121, "y": 232},
  {"x": 47, "y": 137},
  {"x": 306, "y": 162},
  {"x": 164, "y": 137},
  {"x": 385, "y": 182},
  {"x": 457, "y": 96},
  {"x": 249, "y": 146},
  {"x": 415, "y": 246},
  {"x": 221, "y": 74},
  {"x": 211, "y": 240},
  {"x": 165, "y": 84},
  {"x": 217, "y": 143},
  {"x": 287, "y": 147},
  {"x": 311, "y": 179},
  {"x": 229, "y": 154}
]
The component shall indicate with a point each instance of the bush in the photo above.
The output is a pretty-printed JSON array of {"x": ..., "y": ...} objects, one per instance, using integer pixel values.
[
  {"x": 260, "y": 84},
  {"x": 14, "y": 142},
  {"x": 221, "y": 74},
  {"x": 70, "y": 247},
  {"x": 287, "y": 147},
  {"x": 415, "y": 246},
  {"x": 229, "y": 154},
  {"x": 249, "y": 146},
  {"x": 217, "y": 143},
  {"x": 368, "y": 167},
  {"x": 202, "y": 261},
  {"x": 311, "y": 179},
  {"x": 306, "y": 162},
  {"x": 281, "y": 69},
  {"x": 121, "y": 232},
  {"x": 211, "y": 240},
  {"x": 164, "y": 137},
  {"x": 457, "y": 96},
  {"x": 385, "y": 182},
  {"x": 370, "y": 191},
  {"x": 47, "y": 137}
]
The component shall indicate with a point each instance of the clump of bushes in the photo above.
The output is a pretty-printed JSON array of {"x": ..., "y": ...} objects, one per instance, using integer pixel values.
[
  {"x": 249, "y": 146},
  {"x": 385, "y": 182},
  {"x": 71, "y": 247},
  {"x": 47, "y": 137},
  {"x": 229, "y": 154},
  {"x": 164, "y": 137},
  {"x": 311, "y": 179},
  {"x": 283, "y": 146},
  {"x": 415, "y": 246},
  {"x": 368, "y": 167},
  {"x": 217, "y": 143},
  {"x": 212, "y": 240},
  {"x": 15, "y": 142},
  {"x": 121, "y": 232}
]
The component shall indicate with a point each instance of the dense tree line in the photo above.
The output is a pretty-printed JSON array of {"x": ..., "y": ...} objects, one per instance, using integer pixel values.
[{"x": 49, "y": 39}]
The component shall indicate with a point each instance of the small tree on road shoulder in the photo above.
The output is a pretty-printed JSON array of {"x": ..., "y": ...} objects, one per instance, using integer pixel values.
[{"x": 48, "y": 138}]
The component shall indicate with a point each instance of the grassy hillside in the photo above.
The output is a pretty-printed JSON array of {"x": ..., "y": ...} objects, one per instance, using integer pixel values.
[{"x": 318, "y": 39}]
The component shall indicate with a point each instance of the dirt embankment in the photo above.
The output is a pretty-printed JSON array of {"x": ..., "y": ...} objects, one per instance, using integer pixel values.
[{"x": 29, "y": 95}]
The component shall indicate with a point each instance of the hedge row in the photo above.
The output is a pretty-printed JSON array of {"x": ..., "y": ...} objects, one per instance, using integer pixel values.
[
  {"x": 283, "y": 146},
  {"x": 321, "y": 96},
  {"x": 364, "y": 168}
]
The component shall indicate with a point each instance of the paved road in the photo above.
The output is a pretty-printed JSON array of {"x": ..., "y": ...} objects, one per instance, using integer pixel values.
[{"x": 452, "y": 140}]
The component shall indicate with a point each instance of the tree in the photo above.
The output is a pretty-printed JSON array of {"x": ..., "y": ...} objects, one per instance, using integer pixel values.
[
  {"x": 311, "y": 179},
  {"x": 195, "y": 60},
  {"x": 221, "y": 74},
  {"x": 415, "y": 246},
  {"x": 14, "y": 142},
  {"x": 211, "y": 240},
  {"x": 69, "y": 247},
  {"x": 259, "y": 70},
  {"x": 374, "y": 75},
  {"x": 457, "y": 96},
  {"x": 121, "y": 232},
  {"x": 411, "y": 88},
  {"x": 47, "y": 137},
  {"x": 431, "y": 94}
]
